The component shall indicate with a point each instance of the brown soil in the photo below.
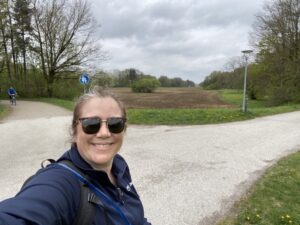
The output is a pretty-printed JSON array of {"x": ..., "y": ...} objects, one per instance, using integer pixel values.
[{"x": 172, "y": 98}]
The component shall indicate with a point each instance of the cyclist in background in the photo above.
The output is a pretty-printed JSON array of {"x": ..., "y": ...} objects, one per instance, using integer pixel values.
[{"x": 11, "y": 91}]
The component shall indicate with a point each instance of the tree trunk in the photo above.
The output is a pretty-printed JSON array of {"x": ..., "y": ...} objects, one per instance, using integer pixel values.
[
  {"x": 24, "y": 59},
  {"x": 12, "y": 41},
  {"x": 7, "y": 59},
  {"x": 50, "y": 84}
]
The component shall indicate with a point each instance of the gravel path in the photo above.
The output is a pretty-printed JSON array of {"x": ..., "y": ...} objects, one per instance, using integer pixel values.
[
  {"x": 186, "y": 175},
  {"x": 33, "y": 110}
]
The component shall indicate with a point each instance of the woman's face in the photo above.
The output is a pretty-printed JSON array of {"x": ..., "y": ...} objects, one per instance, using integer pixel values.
[{"x": 99, "y": 149}]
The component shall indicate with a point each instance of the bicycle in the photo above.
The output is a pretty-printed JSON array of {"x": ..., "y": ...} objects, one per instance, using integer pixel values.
[{"x": 13, "y": 100}]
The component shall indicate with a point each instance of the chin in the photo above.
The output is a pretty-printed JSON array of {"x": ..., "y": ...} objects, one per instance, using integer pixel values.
[{"x": 102, "y": 160}]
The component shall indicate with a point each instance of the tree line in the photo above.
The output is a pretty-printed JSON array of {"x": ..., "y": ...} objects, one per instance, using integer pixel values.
[
  {"x": 274, "y": 74},
  {"x": 127, "y": 77}
]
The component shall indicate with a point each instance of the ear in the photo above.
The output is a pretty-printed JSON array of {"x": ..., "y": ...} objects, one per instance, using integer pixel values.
[
  {"x": 74, "y": 139},
  {"x": 74, "y": 134}
]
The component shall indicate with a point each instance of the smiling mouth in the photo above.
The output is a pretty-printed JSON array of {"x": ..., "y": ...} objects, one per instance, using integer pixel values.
[{"x": 102, "y": 145}]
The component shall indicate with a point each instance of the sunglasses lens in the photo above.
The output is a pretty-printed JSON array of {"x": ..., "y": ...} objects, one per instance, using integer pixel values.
[
  {"x": 116, "y": 125},
  {"x": 91, "y": 125}
]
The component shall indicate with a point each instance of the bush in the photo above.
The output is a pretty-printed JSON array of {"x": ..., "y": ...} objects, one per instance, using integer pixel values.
[
  {"x": 145, "y": 85},
  {"x": 279, "y": 96},
  {"x": 67, "y": 89}
]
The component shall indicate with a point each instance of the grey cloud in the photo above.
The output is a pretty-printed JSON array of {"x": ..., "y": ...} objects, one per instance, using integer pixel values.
[
  {"x": 165, "y": 18},
  {"x": 175, "y": 36}
]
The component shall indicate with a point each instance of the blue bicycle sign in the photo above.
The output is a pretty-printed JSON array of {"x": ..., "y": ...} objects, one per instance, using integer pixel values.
[{"x": 84, "y": 78}]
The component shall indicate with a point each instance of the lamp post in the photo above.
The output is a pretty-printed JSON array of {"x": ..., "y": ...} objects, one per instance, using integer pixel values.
[{"x": 246, "y": 55}]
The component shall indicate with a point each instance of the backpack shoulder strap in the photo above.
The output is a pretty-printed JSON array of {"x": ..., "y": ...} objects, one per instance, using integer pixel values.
[
  {"x": 44, "y": 164},
  {"x": 87, "y": 209},
  {"x": 88, "y": 201}
]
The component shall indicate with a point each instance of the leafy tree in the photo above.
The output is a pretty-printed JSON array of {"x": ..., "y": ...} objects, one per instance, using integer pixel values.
[
  {"x": 62, "y": 33},
  {"x": 175, "y": 82},
  {"x": 133, "y": 75},
  {"x": 277, "y": 38},
  {"x": 178, "y": 82},
  {"x": 164, "y": 81},
  {"x": 190, "y": 83},
  {"x": 103, "y": 79},
  {"x": 258, "y": 81},
  {"x": 145, "y": 85},
  {"x": 127, "y": 77},
  {"x": 123, "y": 79},
  {"x": 224, "y": 80}
]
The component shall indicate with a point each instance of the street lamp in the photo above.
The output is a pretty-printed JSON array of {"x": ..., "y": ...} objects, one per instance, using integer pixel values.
[{"x": 246, "y": 55}]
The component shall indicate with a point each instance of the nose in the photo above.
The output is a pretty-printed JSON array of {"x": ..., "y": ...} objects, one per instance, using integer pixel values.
[{"x": 103, "y": 131}]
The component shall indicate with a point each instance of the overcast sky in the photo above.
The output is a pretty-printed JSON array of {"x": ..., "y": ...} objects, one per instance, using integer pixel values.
[{"x": 176, "y": 38}]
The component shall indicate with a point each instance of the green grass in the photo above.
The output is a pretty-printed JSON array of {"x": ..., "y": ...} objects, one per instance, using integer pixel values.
[
  {"x": 274, "y": 199},
  {"x": 201, "y": 116},
  {"x": 67, "y": 104},
  {"x": 236, "y": 97},
  {"x": 185, "y": 116},
  {"x": 4, "y": 111},
  {"x": 232, "y": 96}
]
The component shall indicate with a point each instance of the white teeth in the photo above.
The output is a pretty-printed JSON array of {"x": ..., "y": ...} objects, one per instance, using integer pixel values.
[{"x": 103, "y": 144}]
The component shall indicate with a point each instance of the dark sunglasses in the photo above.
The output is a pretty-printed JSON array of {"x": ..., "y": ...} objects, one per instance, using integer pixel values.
[{"x": 92, "y": 125}]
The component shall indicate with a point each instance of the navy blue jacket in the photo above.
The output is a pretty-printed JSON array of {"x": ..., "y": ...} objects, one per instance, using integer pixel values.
[
  {"x": 11, "y": 91},
  {"x": 52, "y": 196}
]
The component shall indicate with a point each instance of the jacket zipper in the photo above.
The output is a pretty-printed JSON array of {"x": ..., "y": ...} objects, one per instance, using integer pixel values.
[{"x": 120, "y": 195}]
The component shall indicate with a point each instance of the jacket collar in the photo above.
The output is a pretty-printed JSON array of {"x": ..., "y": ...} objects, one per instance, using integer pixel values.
[{"x": 119, "y": 166}]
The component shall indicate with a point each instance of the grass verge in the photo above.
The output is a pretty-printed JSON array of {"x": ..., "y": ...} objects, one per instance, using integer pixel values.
[
  {"x": 274, "y": 199},
  {"x": 185, "y": 116},
  {"x": 4, "y": 111},
  {"x": 67, "y": 104}
]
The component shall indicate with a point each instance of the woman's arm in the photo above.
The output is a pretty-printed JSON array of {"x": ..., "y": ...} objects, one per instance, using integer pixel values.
[{"x": 52, "y": 196}]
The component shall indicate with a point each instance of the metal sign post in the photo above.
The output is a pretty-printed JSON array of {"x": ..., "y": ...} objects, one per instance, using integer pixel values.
[{"x": 84, "y": 79}]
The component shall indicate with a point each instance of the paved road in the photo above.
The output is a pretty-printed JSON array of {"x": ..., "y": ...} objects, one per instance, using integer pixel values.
[{"x": 185, "y": 175}]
